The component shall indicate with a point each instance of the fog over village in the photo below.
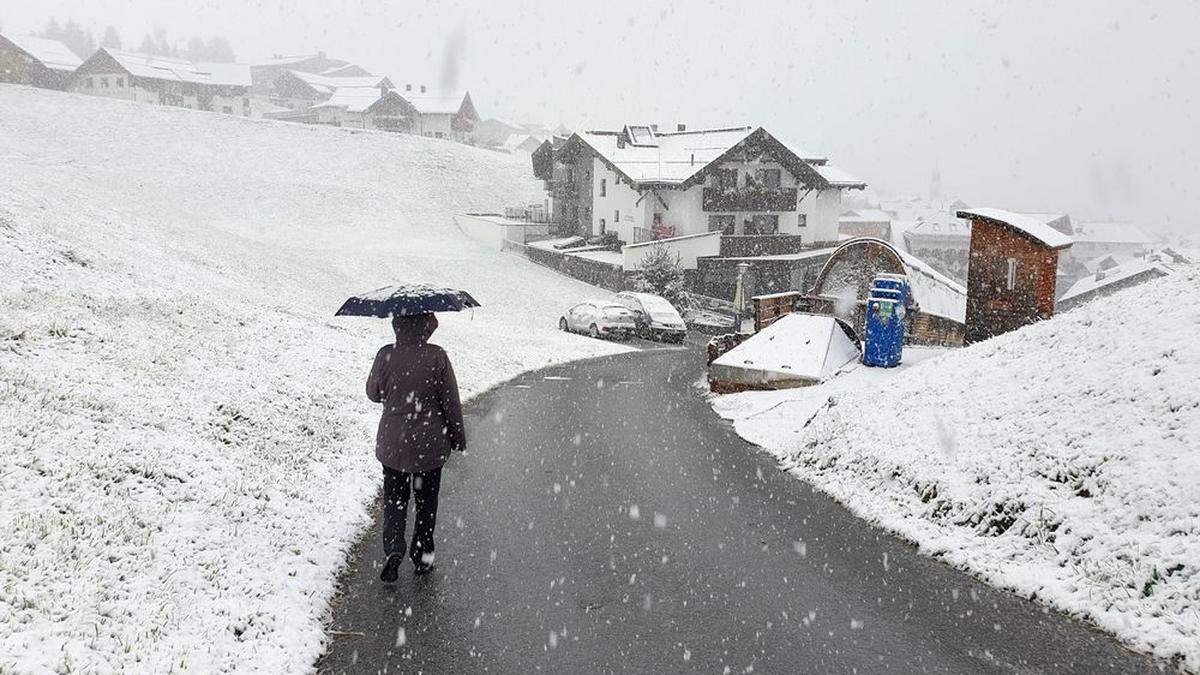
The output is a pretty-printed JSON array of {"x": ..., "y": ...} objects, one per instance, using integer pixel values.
[{"x": 443, "y": 336}]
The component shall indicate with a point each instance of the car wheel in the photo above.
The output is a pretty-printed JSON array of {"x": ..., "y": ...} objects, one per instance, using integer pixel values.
[
  {"x": 593, "y": 331},
  {"x": 562, "y": 324}
]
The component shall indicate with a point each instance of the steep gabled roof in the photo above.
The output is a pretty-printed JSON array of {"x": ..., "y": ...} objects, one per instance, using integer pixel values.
[
  {"x": 359, "y": 99},
  {"x": 324, "y": 84},
  {"x": 50, "y": 53},
  {"x": 179, "y": 70},
  {"x": 438, "y": 103},
  {"x": 683, "y": 158},
  {"x": 1031, "y": 226}
]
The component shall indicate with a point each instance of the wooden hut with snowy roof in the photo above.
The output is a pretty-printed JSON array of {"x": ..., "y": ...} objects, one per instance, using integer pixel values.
[
  {"x": 1012, "y": 273},
  {"x": 36, "y": 61}
]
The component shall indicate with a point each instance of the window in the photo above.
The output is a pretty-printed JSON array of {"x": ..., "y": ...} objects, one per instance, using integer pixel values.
[
  {"x": 802, "y": 220},
  {"x": 763, "y": 224},
  {"x": 104, "y": 83},
  {"x": 722, "y": 224},
  {"x": 768, "y": 178},
  {"x": 120, "y": 83},
  {"x": 90, "y": 83},
  {"x": 228, "y": 109},
  {"x": 603, "y": 226},
  {"x": 616, "y": 216},
  {"x": 603, "y": 187},
  {"x": 658, "y": 219},
  {"x": 726, "y": 178},
  {"x": 1010, "y": 278}
]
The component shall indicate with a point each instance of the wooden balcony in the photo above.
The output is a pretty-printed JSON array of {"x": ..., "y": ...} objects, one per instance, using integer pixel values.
[{"x": 749, "y": 199}]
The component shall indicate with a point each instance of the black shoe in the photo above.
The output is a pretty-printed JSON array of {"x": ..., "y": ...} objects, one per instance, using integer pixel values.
[{"x": 391, "y": 569}]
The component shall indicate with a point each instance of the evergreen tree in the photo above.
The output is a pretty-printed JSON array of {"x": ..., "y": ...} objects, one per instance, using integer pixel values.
[
  {"x": 661, "y": 274},
  {"x": 217, "y": 49},
  {"x": 111, "y": 39},
  {"x": 53, "y": 30},
  {"x": 196, "y": 50}
]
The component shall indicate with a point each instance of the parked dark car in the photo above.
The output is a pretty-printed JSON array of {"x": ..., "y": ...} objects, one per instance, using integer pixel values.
[{"x": 657, "y": 319}]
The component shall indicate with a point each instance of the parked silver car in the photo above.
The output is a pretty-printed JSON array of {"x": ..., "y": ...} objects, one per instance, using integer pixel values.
[
  {"x": 600, "y": 318},
  {"x": 656, "y": 318}
]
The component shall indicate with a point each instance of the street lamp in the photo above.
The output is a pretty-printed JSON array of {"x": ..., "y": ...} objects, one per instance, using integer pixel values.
[{"x": 739, "y": 295}]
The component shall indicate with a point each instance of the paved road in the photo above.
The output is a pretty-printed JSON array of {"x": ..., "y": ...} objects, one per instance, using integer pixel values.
[{"x": 606, "y": 520}]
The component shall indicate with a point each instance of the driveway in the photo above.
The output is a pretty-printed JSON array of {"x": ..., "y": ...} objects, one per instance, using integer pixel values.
[{"x": 605, "y": 520}]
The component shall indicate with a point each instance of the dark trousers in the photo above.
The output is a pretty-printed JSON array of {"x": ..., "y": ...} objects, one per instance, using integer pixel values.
[{"x": 397, "y": 485}]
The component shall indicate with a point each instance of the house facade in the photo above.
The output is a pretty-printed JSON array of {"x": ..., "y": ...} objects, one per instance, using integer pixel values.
[
  {"x": 131, "y": 76},
  {"x": 449, "y": 115},
  {"x": 36, "y": 61},
  {"x": 263, "y": 75},
  {"x": 1013, "y": 271},
  {"x": 639, "y": 184},
  {"x": 365, "y": 108}
]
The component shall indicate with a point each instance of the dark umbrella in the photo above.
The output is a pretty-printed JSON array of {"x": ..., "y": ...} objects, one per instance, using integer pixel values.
[{"x": 406, "y": 300}]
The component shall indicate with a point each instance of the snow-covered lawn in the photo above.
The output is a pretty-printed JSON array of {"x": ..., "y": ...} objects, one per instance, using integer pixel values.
[
  {"x": 185, "y": 446},
  {"x": 1061, "y": 461}
]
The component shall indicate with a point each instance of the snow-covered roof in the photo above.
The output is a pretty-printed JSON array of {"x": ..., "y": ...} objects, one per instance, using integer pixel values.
[
  {"x": 1032, "y": 226},
  {"x": 181, "y": 70},
  {"x": 515, "y": 141},
  {"x": 838, "y": 177},
  {"x": 674, "y": 158},
  {"x": 50, "y": 53},
  {"x": 865, "y": 216},
  {"x": 1111, "y": 233},
  {"x": 795, "y": 349},
  {"x": 935, "y": 292},
  {"x": 941, "y": 227},
  {"x": 435, "y": 103},
  {"x": 355, "y": 99},
  {"x": 327, "y": 85},
  {"x": 1112, "y": 275}
]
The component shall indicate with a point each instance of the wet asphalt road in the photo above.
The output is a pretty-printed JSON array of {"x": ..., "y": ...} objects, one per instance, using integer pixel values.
[{"x": 605, "y": 520}]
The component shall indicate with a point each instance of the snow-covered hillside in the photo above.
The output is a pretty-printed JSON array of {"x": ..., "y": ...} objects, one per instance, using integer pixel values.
[
  {"x": 1060, "y": 460},
  {"x": 185, "y": 448}
]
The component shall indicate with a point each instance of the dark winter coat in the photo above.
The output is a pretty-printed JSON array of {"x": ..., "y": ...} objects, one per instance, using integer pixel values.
[{"x": 422, "y": 416}]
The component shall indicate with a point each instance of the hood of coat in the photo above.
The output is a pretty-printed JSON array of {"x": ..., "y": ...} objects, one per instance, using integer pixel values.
[{"x": 414, "y": 329}]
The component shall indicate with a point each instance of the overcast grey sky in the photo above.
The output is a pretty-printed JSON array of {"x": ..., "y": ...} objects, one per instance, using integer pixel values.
[{"x": 1085, "y": 107}]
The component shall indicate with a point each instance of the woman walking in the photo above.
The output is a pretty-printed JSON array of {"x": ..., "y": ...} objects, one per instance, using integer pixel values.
[{"x": 420, "y": 426}]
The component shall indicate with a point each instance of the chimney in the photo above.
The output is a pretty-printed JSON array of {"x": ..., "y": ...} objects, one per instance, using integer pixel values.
[
  {"x": 422, "y": 89},
  {"x": 320, "y": 55},
  {"x": 683, "y": 127},
  {"x": 408, "y": 87},
  {"x": 654, "y": 128},
  {"x": 620, "y": 142}
]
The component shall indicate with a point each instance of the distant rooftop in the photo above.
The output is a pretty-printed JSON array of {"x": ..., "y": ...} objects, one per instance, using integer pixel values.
[{"x": 50, "y": 53}]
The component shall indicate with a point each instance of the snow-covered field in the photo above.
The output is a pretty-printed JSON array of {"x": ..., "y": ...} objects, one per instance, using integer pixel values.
[
  {"x": 1061, "y": 460},
  {"x": 185, "y": 447}
]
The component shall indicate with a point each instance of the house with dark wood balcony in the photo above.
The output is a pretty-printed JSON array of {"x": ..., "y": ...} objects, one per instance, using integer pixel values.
[{"x": 758, "y": 195}]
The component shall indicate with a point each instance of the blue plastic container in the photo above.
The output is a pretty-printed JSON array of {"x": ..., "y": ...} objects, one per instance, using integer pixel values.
[{"x": 883, "y": 345}]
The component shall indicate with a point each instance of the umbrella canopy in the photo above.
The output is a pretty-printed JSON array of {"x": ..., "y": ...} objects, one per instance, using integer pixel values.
[{"x": 407, "y": 300}]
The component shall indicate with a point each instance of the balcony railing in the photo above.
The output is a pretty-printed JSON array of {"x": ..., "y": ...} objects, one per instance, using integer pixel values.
[{"x": 749, "y": 199}]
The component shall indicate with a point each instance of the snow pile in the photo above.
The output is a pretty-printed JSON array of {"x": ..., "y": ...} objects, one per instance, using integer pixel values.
[
  {"x": 796, "y": 350},
  {"x": 1059, "y": 460},
  {"x": 186, "y": 451}
]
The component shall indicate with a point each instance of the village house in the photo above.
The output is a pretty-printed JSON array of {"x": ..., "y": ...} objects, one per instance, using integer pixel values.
[
  {"x": 442, "y": 114},
  {"x": 217, "y": 87},
  {"x": 1110, "y": 278},
  {"x": 1093, "y": 239},
  {"x": 874, "y": 223},
  {"x": 36, "y": 61},
  {"x": 1013, "y": 271},
  {"x": 298, "y": 90},
  {"x": 365, "y": 108},
  {"x": 639, "y": 184},
  {"x": 264, "y": 75}
]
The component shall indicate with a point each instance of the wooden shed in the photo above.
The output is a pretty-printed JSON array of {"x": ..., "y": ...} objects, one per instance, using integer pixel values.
[{"x": 1012, "y": 271}]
